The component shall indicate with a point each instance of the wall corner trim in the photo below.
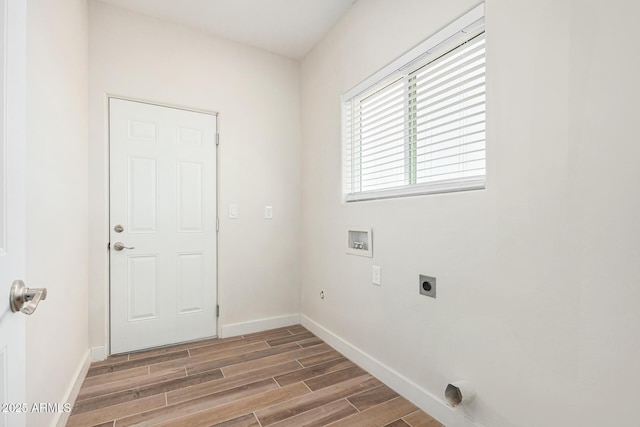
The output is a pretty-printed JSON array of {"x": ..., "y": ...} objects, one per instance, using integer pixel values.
[
  {"x": 422, "y": 398},
  {"x": 71, "y": 394},
  {"x": 259, "y": 325}
]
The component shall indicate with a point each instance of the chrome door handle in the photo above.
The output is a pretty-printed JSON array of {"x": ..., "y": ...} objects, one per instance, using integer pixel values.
[
  {"x": 118, "y": 246},
  {"x": 25, "y": 299}
]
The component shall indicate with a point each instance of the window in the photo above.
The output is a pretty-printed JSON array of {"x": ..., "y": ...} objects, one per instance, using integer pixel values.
[{"x": 418, "y": 125}]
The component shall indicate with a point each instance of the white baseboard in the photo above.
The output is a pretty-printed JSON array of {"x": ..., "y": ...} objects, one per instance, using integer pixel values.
[
  {"x": 98, "y": 353},
  {"x": 70, "y": 396},
  {"x": 422, "y": 398},
  {"x": 259, "y": 325}
]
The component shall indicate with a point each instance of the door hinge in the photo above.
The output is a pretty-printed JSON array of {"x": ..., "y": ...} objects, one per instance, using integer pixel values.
[
  {"x": 217, "y": 139},
  {"x": 218, "y": 310},
  {"x": 108, "y": 246},
  {"x": 217, "y": 224}
]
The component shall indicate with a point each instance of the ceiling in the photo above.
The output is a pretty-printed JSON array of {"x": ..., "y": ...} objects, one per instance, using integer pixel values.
[{"x": 286, "y": 27}]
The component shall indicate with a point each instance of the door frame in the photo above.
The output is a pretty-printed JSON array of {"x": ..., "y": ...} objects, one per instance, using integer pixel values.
[{"x": 216, "y": 115}]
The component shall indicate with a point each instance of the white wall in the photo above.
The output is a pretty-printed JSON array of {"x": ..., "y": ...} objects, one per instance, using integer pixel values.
[
  {"x": 56, "y": 197},
  {"x": 257, "y": 95},
  {"x": 538, "y": 274}
]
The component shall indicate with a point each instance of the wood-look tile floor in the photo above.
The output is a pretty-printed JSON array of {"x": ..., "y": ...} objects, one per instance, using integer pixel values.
[{"x": 283, "y": 377}]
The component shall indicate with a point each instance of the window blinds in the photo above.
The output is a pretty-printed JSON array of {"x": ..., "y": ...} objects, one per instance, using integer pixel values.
[{"x": 421, "y": 130}]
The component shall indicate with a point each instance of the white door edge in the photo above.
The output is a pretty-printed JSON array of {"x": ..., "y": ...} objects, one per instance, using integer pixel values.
[{"x": 13, "y": 339}]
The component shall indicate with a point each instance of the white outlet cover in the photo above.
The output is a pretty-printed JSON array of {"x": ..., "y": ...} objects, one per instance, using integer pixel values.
[
  {"x": 233, "y": 211},
  {"x": 375, "y": 275},
  {"x": 268, "y": 212}
]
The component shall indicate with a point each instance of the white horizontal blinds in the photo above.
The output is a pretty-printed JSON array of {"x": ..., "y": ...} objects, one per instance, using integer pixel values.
[
  {"x": 423, "y": 129},
  {"x": 449, "y": 117},
  {"x": 380, "y": 128},
  {"x": 374, "y": 123}
]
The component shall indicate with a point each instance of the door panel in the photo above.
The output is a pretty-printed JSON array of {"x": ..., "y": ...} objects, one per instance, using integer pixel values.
[
  {"x": 142, "y": 282},
  {"x": 163, "y": 194},
  {"x": 190, "y": 282},
  {"x": 143, "y": 202},
  {"x": 12, "y": 207},
  {"x": 190, "y": 197}
]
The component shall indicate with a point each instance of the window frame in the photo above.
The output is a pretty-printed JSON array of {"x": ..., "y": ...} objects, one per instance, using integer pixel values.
[{"x": 427, "y": 51}]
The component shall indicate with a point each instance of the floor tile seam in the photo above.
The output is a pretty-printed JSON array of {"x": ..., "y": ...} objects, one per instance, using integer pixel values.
[
  {"x": 210, "y": 407},
  {"x": 116, "y": 420},
  {"x": 145, "y": 387},
  {"x": 368, "y": 409},
  {"x": 299, "y": 413},
  {"x": 351, "y": 404},
  {"x": 256, "y": 417},
  {"x": 109, "y": 382},
  {"x": 259, "y": 369},
  {"x": 253, "y": 360},
  {"x": 214, "y": 352},
  {"x": 168, "y": 406},
  {"x": 316, "y": 376},
  {"x": 324, "y": 352},
  {"x": 409, "y": 414},
  {"x": 133, "y": 388},
  {"x": 236, "y": 386},
  {"x": 333, "y": 372},
  {"x": 159, "y": 355},
  {"x": 134, "y": 364},
  {"x": 184, "y": 346}
]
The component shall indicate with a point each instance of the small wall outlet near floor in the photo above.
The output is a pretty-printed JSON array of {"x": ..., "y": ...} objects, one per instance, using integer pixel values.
[
  {"x": 427, "y": 285},
  {"x": 375, "y": 275}
]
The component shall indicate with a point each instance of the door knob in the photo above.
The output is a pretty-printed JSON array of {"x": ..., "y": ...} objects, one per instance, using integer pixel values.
[
  {"x": 25, "y": 299},
  {"x": 118, "y": 246}
]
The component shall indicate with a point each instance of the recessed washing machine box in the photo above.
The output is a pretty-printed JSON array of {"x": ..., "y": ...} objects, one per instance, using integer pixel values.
[{"x": 359, "y": 241}]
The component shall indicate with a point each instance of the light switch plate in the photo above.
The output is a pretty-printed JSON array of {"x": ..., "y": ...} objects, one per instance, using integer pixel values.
[
  {"x": 233, "y": 211},
  {"x": 375, "y": 275},
  {"x": 268, "y": 212}
]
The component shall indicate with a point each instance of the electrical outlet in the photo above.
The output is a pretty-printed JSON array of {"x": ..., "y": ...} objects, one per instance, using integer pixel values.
[
  {"x": 427, "y": 285},
  {"x": 375, "y": 275}
]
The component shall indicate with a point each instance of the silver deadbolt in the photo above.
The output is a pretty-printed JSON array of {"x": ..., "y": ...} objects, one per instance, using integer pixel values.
[
  {"x": 25, "y": 299},
  {"x": 118, "y": 246},
  {"x": 118, "y": 228}
]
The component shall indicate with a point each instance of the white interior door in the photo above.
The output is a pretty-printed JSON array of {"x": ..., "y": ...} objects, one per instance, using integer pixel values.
[
  {"x": 163, "y": 197},
  {"x": 12, "y": 209}
]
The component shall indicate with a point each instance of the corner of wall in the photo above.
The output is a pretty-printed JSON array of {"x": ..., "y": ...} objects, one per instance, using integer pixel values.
[
  {"x": 259, "y": 325},
  {"x": 422, "y": 398}
]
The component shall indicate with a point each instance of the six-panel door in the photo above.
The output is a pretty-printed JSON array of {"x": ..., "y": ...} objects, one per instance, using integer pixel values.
[{"x": 163, "y": 195}]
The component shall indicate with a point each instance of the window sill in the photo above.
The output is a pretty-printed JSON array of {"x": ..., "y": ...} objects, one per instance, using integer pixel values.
[{"x": 418, "y": 190}]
